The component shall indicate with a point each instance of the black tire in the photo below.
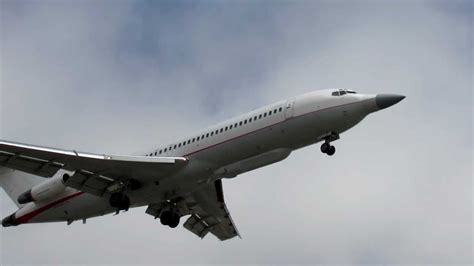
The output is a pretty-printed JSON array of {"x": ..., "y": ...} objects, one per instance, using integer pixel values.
[
  {"x": 125, "y": 204},
  {"x": 325, "y": 147},
  {"x": 331, "y": 151},
  {"x": 174, "y": 220},
  {"x": 119, "y": 201},
  {"x": 115, "y": 200},
  {"x": 165, "y": 218}
]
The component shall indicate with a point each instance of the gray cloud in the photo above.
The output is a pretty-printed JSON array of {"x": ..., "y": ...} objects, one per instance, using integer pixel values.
[{"x": 120, "y": 77}]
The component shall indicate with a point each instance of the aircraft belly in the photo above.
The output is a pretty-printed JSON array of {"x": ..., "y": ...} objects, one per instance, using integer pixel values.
[
  {"x": 244, "y": 146},
  {"x": 252, "y": 163}
]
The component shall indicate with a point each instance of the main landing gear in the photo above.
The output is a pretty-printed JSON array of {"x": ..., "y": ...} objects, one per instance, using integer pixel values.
[
  {"x": 170, "y": 218},
  {"x": 120, "y": 201}
]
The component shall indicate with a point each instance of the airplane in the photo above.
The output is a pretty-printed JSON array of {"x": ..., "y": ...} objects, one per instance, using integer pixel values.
[{"x": 182, "y": 178}]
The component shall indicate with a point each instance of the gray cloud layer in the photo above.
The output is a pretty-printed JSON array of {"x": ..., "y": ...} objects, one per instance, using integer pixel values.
[{"x": 122, "y": 76}]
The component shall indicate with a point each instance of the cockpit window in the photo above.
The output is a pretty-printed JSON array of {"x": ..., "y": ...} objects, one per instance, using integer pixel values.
[{"x": 341, "y": 92}]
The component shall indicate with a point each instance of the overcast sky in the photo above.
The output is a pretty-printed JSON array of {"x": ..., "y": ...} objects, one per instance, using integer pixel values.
[{"x": 121, "y": 76}]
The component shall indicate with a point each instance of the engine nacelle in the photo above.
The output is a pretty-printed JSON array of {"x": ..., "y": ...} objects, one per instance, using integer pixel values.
[{"x": 45, "y": 190}]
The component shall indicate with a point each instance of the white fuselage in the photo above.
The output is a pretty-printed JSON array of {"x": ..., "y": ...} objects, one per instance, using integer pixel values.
[{"x": 255, "y": 139}]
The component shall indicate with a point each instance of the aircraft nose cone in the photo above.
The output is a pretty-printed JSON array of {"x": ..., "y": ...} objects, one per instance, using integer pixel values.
[{"x": 386, "y": 100}]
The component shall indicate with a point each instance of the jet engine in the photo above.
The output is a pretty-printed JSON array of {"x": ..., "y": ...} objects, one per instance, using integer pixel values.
[{"x": 45, "y": 190}]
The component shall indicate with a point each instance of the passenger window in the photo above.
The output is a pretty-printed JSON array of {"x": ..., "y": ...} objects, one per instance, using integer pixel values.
[
  {"x": 156, "y": 153},
  {"x": 198, "y": 138},
  {"x": 166, "y": 149},
  {"x": 260, "y": 117},
  {"x": 207, "y": 135},
  {"x": 240, "y": 123},
  {"x": 281, "y": 109},
  {"x": 264, "y": 114},
  {"x": 250, "y": 120},
  {"x": 335, "y": 93},
  {"x": 212, "y": 133},
  {"x": 226, "y": 128},
  {"x": 245, "y": 121},
  {"x": 160, "y": 151},
  {"x": 194, "y": 139},
  {"x": 230, "y": 127}
]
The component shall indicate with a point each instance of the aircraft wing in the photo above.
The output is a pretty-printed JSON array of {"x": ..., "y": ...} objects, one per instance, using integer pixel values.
[
  {"x": 94, "y": 173},
  {"x": 210, "y": 214}
]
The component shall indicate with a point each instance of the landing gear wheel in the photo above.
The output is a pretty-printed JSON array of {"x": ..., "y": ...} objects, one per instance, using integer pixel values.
[
  {"x": 169, "y": 218},
  {"x": 174, "y": 220},
  {"x": 119, "y": 201},
  {"x": 325, "y": 147},
  {"x": 331, "y": 151},
  {"x": 125, "y": 204},
  {"x": 165, "y": 218}
]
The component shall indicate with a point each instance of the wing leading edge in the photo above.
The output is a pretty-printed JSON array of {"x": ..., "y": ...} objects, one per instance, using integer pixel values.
[{"x": 93, "y": 172}]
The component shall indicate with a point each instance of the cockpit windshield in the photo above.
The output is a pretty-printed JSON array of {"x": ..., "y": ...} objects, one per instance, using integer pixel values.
[{"x": 341, "y": 92}]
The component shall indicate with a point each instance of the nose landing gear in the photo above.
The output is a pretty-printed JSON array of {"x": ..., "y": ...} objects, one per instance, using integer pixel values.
[{"x": 328, "y": 149}]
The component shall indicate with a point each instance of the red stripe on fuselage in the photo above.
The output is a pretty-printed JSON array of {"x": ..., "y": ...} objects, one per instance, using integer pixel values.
[{"x": 26, "y": 217}]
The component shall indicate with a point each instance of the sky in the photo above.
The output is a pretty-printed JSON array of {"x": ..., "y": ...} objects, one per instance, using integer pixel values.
[{"x": 123, "y": 76}]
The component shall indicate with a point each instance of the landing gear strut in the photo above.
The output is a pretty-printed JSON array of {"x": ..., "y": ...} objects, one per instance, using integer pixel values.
[
  {"x": 327, "y": 148},
  {"x": 169, "y": 218}
]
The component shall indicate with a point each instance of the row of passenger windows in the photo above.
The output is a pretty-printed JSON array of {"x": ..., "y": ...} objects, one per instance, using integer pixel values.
[{"x": 224, "y": 129}]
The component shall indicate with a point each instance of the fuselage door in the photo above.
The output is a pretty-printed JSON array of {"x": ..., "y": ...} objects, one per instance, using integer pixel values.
[{"x": 289, "y": 106}]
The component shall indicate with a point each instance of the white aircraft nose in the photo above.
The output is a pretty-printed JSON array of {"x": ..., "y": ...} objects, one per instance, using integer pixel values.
[{"x": 386, "y": 100}]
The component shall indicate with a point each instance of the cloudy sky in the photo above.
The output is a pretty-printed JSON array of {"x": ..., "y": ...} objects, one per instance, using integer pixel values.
[{"x": 121, "y": 76}]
